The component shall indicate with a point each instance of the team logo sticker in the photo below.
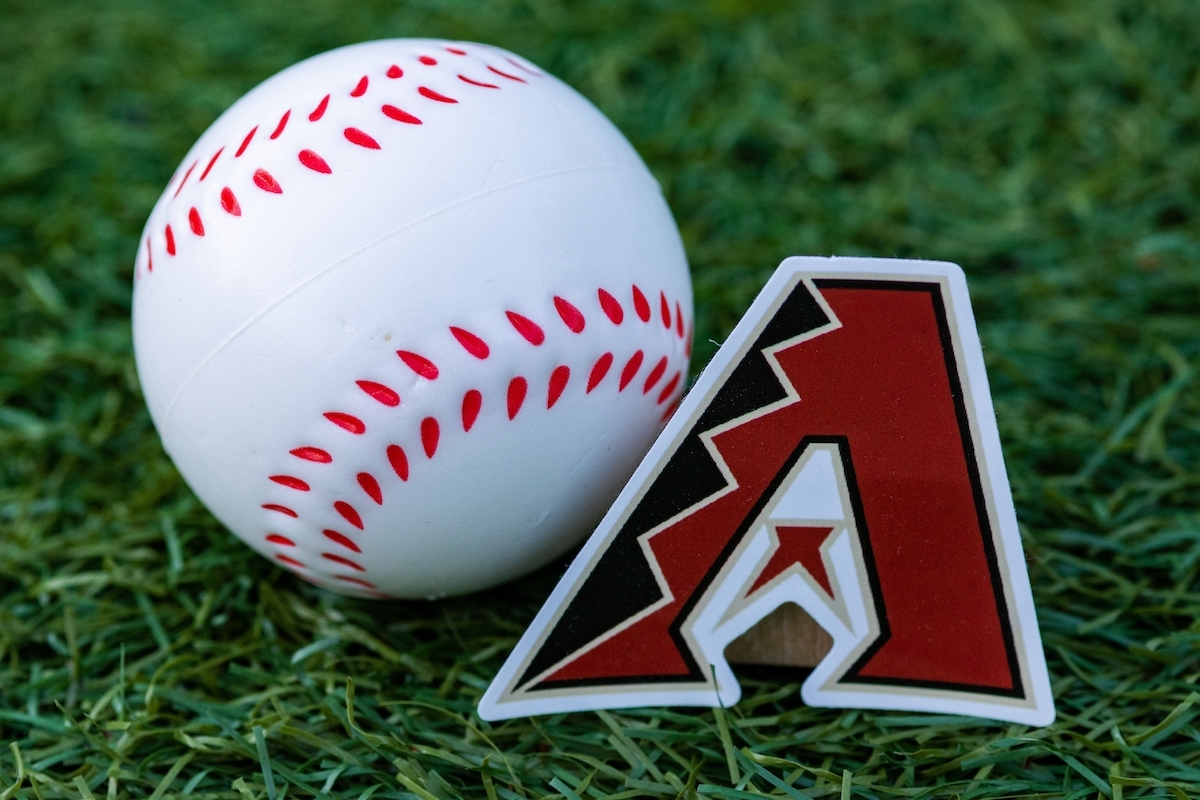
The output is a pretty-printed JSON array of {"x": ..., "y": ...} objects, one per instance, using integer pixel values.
[{"x": 840, "y": 453}]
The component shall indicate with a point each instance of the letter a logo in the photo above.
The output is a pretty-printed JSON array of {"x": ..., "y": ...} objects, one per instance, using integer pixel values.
[{"x": 840, "y": 453}]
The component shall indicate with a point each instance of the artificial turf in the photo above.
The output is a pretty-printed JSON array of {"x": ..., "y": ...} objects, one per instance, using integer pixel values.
[{"x": 1052, "y": 148}]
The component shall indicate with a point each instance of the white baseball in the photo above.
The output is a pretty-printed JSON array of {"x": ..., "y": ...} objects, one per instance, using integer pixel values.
[{"x": 408, "y": 316}]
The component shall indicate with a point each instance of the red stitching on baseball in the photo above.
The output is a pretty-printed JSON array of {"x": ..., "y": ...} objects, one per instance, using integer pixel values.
[
  {"x": 342, "y": 539},
  {"x": 532, "y": 332},
  {"x": 380, "y": 392},
  {"x": 472, "y": 402},
  {"x": 186, "y": 175},
  {"x": 521, "y": 66},
  {"x": 599, "y": 370},
  {"x": 612, "y": 308},
  {"x": 471, "y": 343},
  {"x": 516, "y": 78},
  {"x": 170, "y": 241},
  {"x": 312, "y": 454},
  {"x": 194, "y": 222},
  {"x": 348, "y": 513},
  {"x": 472, "y": 399},
  {"x": 419, "y": 364},
  {"x": 350, "y": 423},
  {"x": 432, "y": 95},
  {"x": 291, "y": 482},
  {"x": 465, "y": 79},
  {"x": 655, "y": 374},
  {"x": 360, "y": 138},
  {"x": 428, "y": 61},
  {"x": 283, "y": 121},
  {"x": 517, "y": 388},
  {"x": 371, "y": 486},
  {"x": 640, "y": 304},
  {"x": 398, "y": 460},
  {"x": 212, "y": 161},
  {"x": 558, "y": 382},
  {"x": 149, "y": 256},
  {"x": 266, "y": 181},
  {"x": 246, "y": 142},
  {"x": 314, "y": 162},
  {"x": 319, "y": 111},
  {"x": 338, "y": 559},
  {"x": 631, "y": 367},
  {"x": 669, "y": 388},
  {"x": 430, "y": 432},
  {"x": 572, "y": 317},
  {"x": 230, "y": 203},
  {"x": 400, "y": 116},
  {"x": 289, "y": 560}
]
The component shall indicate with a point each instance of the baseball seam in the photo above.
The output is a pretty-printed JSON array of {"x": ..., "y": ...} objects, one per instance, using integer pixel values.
[
  {"x": 570, "y": 321},
  {"x": 310, "y": 159}
]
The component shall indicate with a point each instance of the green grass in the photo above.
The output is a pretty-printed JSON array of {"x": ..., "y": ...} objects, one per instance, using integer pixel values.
[{"x": 1051, "y": 148}]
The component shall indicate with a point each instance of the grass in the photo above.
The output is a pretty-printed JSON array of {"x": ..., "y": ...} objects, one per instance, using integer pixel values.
[{"x": 1052, "y": 148}]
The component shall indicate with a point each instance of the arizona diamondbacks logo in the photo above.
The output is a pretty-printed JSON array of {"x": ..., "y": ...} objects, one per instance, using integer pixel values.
[{"x": 840, "y": 453}]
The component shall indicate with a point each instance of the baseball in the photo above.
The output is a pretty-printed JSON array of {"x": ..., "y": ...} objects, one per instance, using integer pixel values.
[{"x": 408, "y": 316}]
